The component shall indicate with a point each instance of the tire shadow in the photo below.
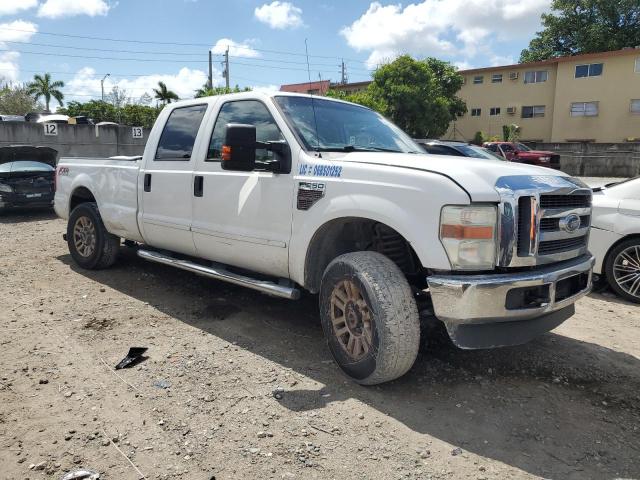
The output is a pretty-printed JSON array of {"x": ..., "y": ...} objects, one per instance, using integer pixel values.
[{"x": 556, "y": 407}]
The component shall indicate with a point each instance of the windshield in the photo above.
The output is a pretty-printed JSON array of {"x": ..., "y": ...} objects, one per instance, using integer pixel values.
[
  {"x": 478, "y": 152},
  {"x": 25, "y": 166},
  {"x": 343, "y": 127},
  {"x": 522, "y": 147}
]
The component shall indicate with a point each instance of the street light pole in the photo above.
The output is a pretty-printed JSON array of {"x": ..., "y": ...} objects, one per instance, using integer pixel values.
[{"x": 102, "y": 84}]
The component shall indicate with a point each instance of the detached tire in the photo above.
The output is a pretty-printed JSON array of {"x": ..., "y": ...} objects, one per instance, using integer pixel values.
[
  {"x": 622, "y": 269},
  {"x": 369, "y": 317},
  {"x": 90, "y": 245}
]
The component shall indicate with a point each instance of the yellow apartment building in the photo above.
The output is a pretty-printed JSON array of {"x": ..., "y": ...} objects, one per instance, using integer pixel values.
[{"x": 584, "y": 98}]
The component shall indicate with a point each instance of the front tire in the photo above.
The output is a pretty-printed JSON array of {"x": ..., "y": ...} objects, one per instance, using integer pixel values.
[
  {"x": 90, "y": 244},
  {"x": 622, "y": 269},
  {"x": 369, "y": 317}
]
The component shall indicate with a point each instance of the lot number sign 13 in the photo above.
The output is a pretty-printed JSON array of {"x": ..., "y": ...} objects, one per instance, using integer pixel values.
[
  {"x": 51, "y": 129},
  {"x": 137, "y": 132}
]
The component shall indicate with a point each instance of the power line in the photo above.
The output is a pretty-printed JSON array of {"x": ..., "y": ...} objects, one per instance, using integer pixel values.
[{"x": 149, "y": 42}]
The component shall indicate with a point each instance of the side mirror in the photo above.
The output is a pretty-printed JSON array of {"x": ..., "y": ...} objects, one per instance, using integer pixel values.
[{"x": 239, "y": 149}]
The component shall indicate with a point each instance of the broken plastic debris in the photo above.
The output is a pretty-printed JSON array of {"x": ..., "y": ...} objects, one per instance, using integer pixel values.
[
  {"x": 278, "y": 393},
  {"x": 134, "y": 356},
  {"x": 81, "y": 475},
  {"x": 162, "y": 384}
]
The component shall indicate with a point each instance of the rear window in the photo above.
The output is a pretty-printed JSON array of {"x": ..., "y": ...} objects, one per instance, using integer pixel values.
[
  {"x": 179, "y": 134},
  {"x": 25, "y": 166}
]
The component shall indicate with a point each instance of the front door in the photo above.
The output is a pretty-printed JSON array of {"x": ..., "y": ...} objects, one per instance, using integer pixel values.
[
  {"x": 166, "y": 182},
  {"x": 243, "y": 218}
]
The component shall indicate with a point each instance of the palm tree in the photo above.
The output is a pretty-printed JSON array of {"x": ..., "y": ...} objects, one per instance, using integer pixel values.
[
  {"x": 164, "y": 94},
  {"x": 42, "y": 86}
]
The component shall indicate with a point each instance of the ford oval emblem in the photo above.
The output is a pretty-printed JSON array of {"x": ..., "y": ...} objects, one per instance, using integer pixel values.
[{"x": 570, "y": 223}]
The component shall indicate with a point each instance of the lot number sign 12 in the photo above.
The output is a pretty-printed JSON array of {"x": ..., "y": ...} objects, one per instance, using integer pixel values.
[
  {"x": 51, "y": 129},
  {"x": 137, "y": 132}
]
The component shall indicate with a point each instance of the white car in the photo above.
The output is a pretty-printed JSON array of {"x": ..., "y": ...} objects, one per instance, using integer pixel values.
[{"x": 615, "y": 236}]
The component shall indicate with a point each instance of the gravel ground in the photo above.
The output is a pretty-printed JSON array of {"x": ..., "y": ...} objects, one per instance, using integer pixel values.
[{"x": 565, "y": 406}]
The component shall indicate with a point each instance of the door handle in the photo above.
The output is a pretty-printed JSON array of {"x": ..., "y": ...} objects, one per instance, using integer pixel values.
[
  {"x": 147, "y": 182},
  {"x": 198, "y": 186}
]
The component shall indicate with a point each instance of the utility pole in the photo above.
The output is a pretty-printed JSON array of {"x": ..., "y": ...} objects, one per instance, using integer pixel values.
[
  {"x": 343, "y": 73},
  {"x": 102, "y": 84},
  {"x": 210, "y": 84},
  {"x": 226, "y": 67}
]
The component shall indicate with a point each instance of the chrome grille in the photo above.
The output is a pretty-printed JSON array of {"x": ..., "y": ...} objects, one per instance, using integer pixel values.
[{"x": 543, "y": 220}]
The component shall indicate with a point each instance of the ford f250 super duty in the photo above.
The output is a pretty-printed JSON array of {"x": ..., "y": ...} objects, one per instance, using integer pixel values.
[{"x": 284, "y": 192}]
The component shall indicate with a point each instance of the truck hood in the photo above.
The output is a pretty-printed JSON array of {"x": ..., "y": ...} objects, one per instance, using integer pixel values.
[
  {"x": 15, "y": 153},
  {"x": 476, "y": 176}
]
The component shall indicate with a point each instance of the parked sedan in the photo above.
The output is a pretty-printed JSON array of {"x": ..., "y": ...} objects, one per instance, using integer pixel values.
[
  {"x": 615, "y": 236},
  {"x": 459, "y": 149},
  {"x": 520, "y": 153},
  {"x": 27, "y": 176}
]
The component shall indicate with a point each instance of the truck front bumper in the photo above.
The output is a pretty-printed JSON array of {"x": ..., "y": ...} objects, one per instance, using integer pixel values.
[{"x": 493, "y": 310}]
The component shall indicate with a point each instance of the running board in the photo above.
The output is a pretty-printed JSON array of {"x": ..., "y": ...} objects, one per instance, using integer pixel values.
[{"x": 263, "y": 286}]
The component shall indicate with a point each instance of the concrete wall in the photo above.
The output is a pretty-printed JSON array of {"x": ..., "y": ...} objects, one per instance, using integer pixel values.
[
  {"x": 76, "y": 140},
  {"x": 596, "y": 159}
]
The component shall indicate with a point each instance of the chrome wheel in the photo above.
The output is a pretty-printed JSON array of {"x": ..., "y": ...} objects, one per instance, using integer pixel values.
[
  {"x": 626, "y": 270},
  {"x": 84, "y": 236},
  {"x": 352, "y": 319}
]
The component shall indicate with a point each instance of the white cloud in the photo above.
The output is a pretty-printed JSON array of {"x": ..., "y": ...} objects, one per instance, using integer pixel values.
[
  {"x": 236, "y": 49},
  {"x": 184, "y": 83},
  {"x": 9, "y": 68},
  {"x": 456, "y": 29},
  {"x": 17, "y": 31},
  {"x": 70, "y": 8},
  {"x": 279, "y": 15},
  {"x": 11, "y": 7}
]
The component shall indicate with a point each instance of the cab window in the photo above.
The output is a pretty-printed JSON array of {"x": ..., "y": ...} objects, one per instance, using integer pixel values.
[
  {"x": 179, "y": 133},
  {"x": 249, "y": 112}
]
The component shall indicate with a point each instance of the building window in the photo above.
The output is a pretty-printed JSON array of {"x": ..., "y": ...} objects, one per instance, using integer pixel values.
[
  {"x": 478, "y": 79},
  {"x": 476, "y": 112},
  {"x": 496, "y": 78},
  {"x": 584, "y": 109},
  {"x": 637, "y": 67},
  {"x": 533, "y": 111},
  {"x": 493, "y": 111},
  {"x": 591, "y": 70},
  {"x": 536, "y": 76},
  {"x": 635, "y": 106}
]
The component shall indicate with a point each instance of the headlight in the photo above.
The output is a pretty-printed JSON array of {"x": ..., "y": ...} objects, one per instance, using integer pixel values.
[
  {"x": 468, "y": 235},
  {"x": 544, "y": 159},
  {"x": 5, "y": 188}
]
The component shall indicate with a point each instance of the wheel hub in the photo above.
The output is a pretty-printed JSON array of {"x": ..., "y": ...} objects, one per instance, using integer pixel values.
[
  {"x": 626, "y": 270},
  {"x": 84, "y": 236},
  {"x": 352, "y": 319}
]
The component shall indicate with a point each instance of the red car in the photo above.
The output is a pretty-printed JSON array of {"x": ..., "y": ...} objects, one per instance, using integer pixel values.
[{"x": 517, "y": 152}]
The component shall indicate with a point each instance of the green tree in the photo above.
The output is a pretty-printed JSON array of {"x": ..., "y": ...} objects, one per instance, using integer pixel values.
[
  {"x": 163, "y": 94},
  {"x": 99, "y": 111},
  {"x": 205, "y": 91},
  {"x": 42, "y": 86},
  {"x": 574, "y": 27},
  {"x": 418, "y": 95},
  {"x": 16, "y": 100}
]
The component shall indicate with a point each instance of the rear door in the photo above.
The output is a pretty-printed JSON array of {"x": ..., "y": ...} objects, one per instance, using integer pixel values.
[
  {"x": 243, "y": 218},
  {"x": 166, "y": 181}
]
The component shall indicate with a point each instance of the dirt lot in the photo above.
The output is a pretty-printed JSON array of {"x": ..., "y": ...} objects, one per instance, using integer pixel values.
[{"x": 566, "y": 406}]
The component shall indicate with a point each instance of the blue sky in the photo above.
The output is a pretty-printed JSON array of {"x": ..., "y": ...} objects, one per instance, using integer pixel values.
[{"x": 266, "y": 39}]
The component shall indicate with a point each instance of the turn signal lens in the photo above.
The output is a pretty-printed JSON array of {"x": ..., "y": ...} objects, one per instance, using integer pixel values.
[
  {"x": 226, "y": 152},
  {"x": 462, "y": 231}
]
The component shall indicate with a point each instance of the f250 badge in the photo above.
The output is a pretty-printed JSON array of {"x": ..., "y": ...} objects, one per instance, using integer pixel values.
[{"x": 62, "y": 171}]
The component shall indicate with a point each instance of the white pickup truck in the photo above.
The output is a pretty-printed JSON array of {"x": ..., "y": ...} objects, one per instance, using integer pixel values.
[{"x": 283, "y": 192}]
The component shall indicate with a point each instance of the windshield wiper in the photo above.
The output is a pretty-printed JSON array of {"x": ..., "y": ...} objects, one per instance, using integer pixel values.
[{"x": 353, "y": 148}]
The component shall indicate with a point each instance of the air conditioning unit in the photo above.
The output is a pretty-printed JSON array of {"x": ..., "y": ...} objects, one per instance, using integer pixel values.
[
  {"x": 512, "y": 110},
  {"x": 513, "y": 76}
]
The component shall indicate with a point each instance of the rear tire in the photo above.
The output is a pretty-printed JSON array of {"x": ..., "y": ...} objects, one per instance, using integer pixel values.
[
  {"x": 369, "y": 317},
  {"x": 622, "y": 269},
  {"x": 90, "y": 244}
]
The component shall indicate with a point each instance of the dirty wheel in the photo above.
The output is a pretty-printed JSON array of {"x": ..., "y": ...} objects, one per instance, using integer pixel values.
[
  {"x": 90, "y": 245},
  {"x": 623, "y": 269},
  {"x": 369, "y": 317}
]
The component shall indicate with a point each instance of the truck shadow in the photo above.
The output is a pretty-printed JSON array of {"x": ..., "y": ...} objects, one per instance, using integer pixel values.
[
  {"x": 23, "y": 215},
  {"x": 545, "y": 408}
]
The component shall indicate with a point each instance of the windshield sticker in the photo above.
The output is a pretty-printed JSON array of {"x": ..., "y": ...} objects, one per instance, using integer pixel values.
[{"x": 320, "y": 170}]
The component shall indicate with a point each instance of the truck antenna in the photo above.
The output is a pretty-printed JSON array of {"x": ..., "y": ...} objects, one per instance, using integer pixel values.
[{"x": 313, "y": 106}]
